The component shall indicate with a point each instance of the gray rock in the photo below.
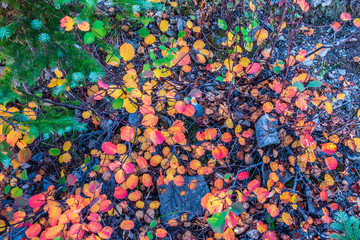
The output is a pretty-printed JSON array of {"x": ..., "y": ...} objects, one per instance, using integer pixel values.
[
  {"x": 342, "y": 72},
  {"x": 323, "y": 3},
  {"x": 25, "y": 165},
  {"x": 181, "y": 23},
  {"x": 173, "y": 20},
  {"x": 253, "y": 234},
  {"x": 173, "y": 205},
  {"x": 170, "y": 33},
  {"x": 134, "y": 118},
  {"x": 266, "y": 133}
]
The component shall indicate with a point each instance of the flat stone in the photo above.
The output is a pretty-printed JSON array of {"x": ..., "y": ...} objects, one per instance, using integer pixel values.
[
  {"x": 266, "y": 133},
  {"x": 173, "y": 205}
]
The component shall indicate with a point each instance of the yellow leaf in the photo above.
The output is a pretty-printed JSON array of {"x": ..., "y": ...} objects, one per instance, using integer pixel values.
[
  {"x": 189, "y": 24},
  {"x": 127, "y": 51},
  {"x": 67, "y": 146},
  {"x": 173, "y": 4},
  {"x": 53, "y": 83},
  {"x": 252, "y": 6},
  {"x": 328, "y": 108},
  {"x": 261, "y": 35},
  {"x": 58, "y": 73},
  {"x": 150, "y": 39},
  {"x": 329, "y": 180},
  {"x": 13, "y": 137},
  {"x": 115, "y": 92},
  {"x": 130, "y": 106},
  {"x": 286, "y": 217},
  {"x": 164, "y": 25}
]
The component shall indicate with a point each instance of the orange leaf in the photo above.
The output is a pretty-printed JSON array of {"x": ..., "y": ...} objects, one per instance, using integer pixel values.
[
  {"x": 149, "y": 120},
  {"x": 268, "y": 107},
  {"x": 252, "y": 185},
  {"x": 261, "y": 227},
  {"x": 127, "y": 225},
  {"x": 286, "y": 217},
  {"x": 210, "y": 133},
  {"x": 146, "y": 180},
  {"x": 132, "y": 181},
  {"x": 229, "y": 234},
  {"x": 226, "y": 137},
  {"x": 160, "y": 233},
  {"x": 195, "y": 164},
  {"x": 335, "y": 26},
  {"x": 329, "y": 148},
  {"x": 261, "y": 193},
  {"x": 273, "y": 210},
  {"x": 178, "y": 180},
  {"x": 179, "y": 137},
  {"x": 109, "y": 148},
  {"x": 106, "y": 206},
  {"x": 84, "y": 26},
  {"x": 94, "y": 227},
  {"x": 33, "y": 230},
  {"x": 53, "y": 232},
  {"x": 331, "y": 163},
  {"x": 67, "y": 22},
  {"x": 155, "y": 160},
  {"x": 127, "y": 133},
  {"x": 106, "y": 232},
  {"x": 119, "y": 176},
  {"x": 24, "y": 155},
  {"x": 141, "y": 162},
  {"x": 134, "y": 196}
]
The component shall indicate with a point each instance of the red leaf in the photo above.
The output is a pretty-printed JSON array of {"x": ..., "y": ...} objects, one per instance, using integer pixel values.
[
  {"x": 220, "y": 152},
  {"x": 243, "y": 175},
  {"x": 253, "y": 68},
  {"x": 323, "y": 195},
  {"x": 37, "y": 200},
  {"x": 331, "y": 163},
  {"x": 120, "y": 193},
  {"x": 345, "y": 16},
  {"x": 71, "y": 179},
  {"x": 157, "y": 137},
  {"x": 128, "y": 167},
  {"x": 127, "y": 133},
  {"x": 329, "y": 148},
  {"x": 109, "y": 148}
]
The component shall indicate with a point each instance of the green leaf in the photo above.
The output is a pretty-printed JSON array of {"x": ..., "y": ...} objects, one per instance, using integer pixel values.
[
  {"x": 153, "y": 223},
  {"x": 54, "y": 152},
  {"x": 217, "y": 222},
  {"x": 162, "y": 47},
  {"x": 237, "y": 208},
  {"x": 227, "y": 176},
  {"x": 99, "y": 33},
  {"x": 96, "y": 168},
  {"x": 24, "y": 175},
  {"x": 58, "y": 238},
  {"x": 16, "y": 192},
  {"x": 277, "y": 69},
  {"x": 192, "y": 17},
  {"x": 89, "y": 38},
  {"x": 299, "y": 85},
  {"x": 222, "y": 24},
  {"x": 98, "y": 24},
  {"x": 150, "y": 235},
  {"x": 219, "y": 78},
  {"x": 143, "y": 32},
  {"x": 181, "y": 34},
  {"x": 7, "y": 189},
  {"x": 118, "y": 103},
  {"x": 315, "y": 84},
  {"x": 163, "y": 38}
]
